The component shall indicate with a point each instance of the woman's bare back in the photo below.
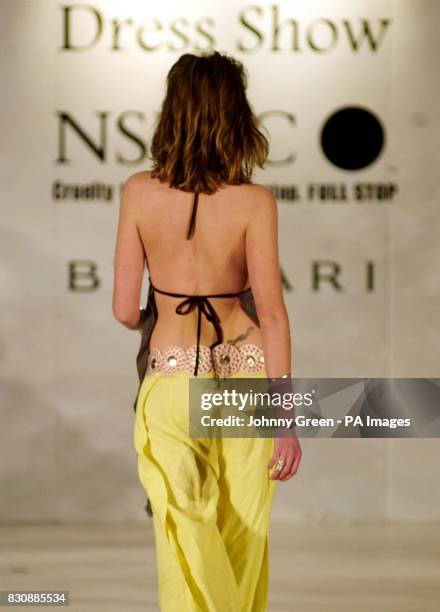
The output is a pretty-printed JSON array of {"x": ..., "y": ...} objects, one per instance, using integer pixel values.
[{"x": 212, "y": 261}]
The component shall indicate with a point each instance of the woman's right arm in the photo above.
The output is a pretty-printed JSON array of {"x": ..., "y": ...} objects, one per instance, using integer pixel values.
[
  {"x": 262, "y": 254},
  {"x": 265, "y": 279}
]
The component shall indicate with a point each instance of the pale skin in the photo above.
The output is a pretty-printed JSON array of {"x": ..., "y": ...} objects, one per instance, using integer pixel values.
[{"x": 257, "y": 257}]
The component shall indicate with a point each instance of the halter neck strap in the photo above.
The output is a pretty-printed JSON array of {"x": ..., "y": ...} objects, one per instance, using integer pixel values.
[{"x": 192, "y": 221}]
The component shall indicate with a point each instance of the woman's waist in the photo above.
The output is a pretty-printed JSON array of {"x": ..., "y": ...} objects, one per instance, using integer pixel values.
[
  {"x": 225, "y": 358},
  {"x": 182, "y": 330}
]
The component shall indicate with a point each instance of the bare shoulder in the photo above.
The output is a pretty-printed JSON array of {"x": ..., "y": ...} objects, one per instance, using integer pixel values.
[
  {"x": 261, "y": 199},
  {"x": 136, "y": 190},
  {"x": 259, "y": 193},
  {"x": 139, "y": 181}
]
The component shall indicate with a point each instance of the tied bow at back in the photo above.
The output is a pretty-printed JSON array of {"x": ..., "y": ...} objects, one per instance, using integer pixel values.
[{"x": 204, "y": 306}]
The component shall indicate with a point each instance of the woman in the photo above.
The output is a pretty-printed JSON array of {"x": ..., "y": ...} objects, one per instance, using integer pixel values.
[{"x": 208, "y": 236}]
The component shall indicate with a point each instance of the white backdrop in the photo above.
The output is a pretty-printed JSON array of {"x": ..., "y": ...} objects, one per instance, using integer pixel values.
[{"x": 79, "y": 97}]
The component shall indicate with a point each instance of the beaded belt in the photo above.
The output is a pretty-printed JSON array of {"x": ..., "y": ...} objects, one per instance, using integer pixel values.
[{"x": 226, "y": 358}]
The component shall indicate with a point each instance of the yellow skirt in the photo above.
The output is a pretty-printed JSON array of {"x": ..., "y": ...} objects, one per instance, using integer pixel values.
[{"x": 211, "y": 501}]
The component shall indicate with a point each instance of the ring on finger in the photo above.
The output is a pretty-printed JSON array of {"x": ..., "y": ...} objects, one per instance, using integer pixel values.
[{"x": 279, "y": 465}]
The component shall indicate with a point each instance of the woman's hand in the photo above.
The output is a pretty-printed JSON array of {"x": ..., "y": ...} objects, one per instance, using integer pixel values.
[{"x": 289, "y": 451}]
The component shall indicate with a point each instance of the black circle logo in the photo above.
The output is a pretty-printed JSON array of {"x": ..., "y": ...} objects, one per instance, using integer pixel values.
[{"x": 352, "y": 138}]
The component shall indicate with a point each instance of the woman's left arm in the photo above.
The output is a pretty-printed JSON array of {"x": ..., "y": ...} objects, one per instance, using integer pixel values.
[{"x": 129, "y": 259}]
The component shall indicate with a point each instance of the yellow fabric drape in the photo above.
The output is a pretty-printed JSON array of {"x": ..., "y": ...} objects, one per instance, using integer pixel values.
[{"x": 211, "y": 502}]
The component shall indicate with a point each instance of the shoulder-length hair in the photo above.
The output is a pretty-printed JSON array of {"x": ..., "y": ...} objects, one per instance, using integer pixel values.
[{"x": 207, "y": 133}]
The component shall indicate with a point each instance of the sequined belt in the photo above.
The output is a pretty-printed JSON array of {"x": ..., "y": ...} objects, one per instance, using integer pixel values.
[{"x": 226, "y": 358}]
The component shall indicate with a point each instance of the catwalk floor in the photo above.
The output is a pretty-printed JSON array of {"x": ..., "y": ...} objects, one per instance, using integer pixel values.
[{"x": 314, "y": 568}]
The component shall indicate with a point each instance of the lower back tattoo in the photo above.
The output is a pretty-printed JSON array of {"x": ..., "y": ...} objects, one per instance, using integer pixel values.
[{"x": 242, "y": 336}]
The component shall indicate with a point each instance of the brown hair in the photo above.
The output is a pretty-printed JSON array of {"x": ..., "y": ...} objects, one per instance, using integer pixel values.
[{"x": 207, "y": 132}]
